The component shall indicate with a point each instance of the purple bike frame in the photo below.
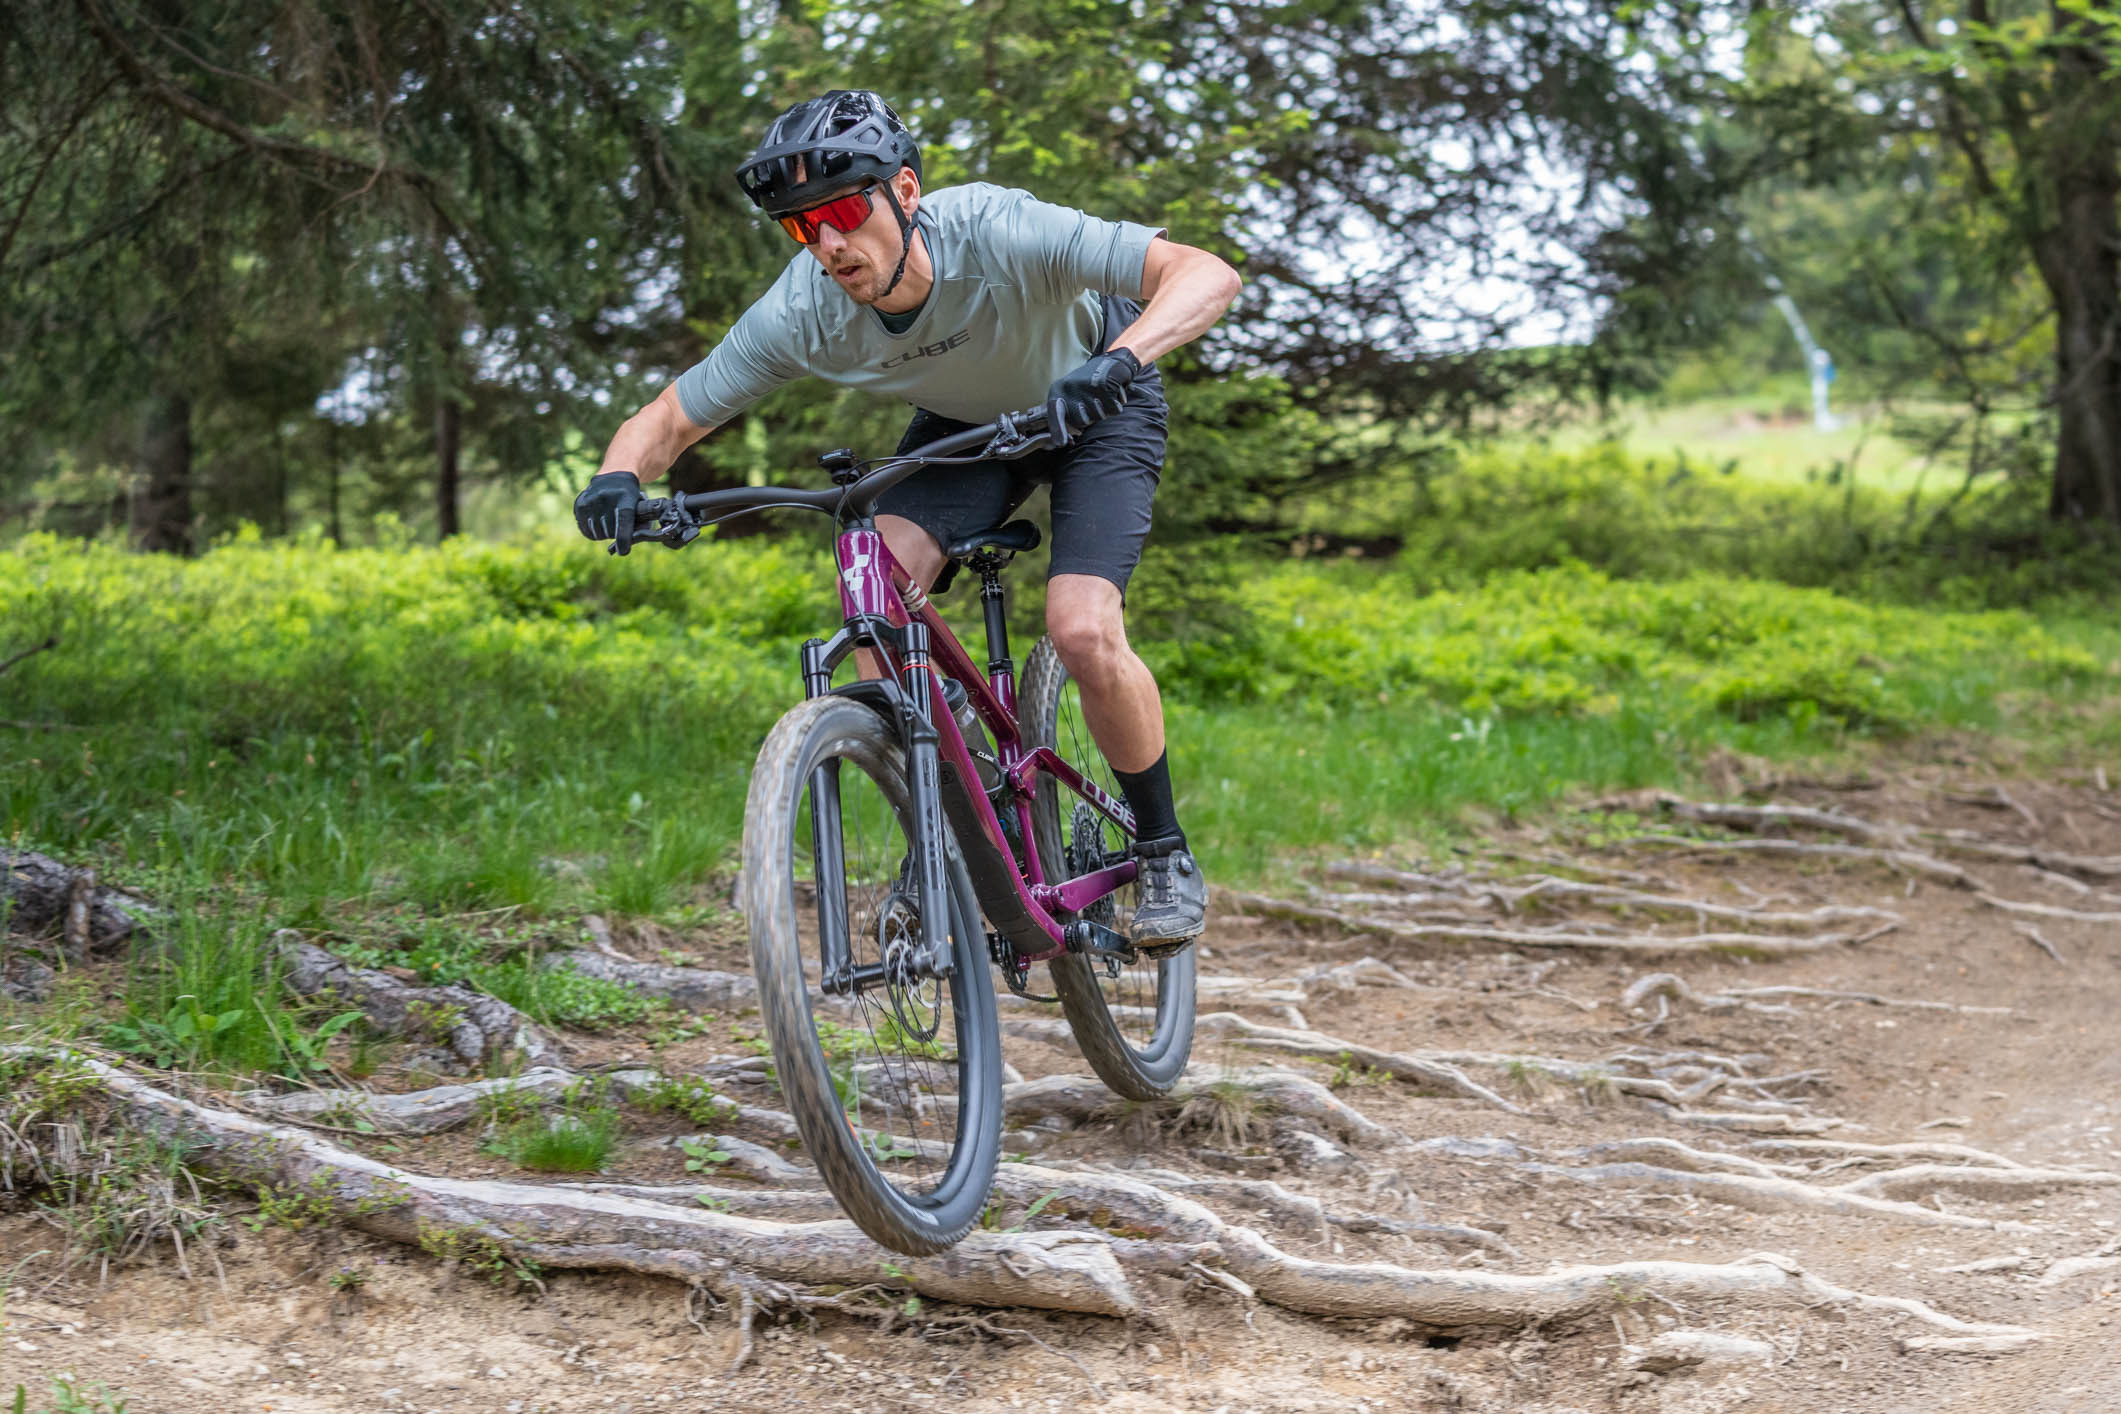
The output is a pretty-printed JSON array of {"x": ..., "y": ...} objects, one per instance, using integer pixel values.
[{"x": 872, "y": 584}]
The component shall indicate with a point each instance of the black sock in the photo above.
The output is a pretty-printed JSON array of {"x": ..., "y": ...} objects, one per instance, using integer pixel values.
[{"x": 1149, "y": 797}]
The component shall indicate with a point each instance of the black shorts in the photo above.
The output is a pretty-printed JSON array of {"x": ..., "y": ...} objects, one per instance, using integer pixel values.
[{"x": 1103, "y": 483}]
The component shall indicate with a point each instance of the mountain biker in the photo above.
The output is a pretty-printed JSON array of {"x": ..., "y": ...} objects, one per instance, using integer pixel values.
[{"x": 969, "y": 302}]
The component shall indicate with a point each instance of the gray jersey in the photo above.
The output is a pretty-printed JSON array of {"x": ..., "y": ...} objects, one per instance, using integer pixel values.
[{"x": 1016, "y": 304}]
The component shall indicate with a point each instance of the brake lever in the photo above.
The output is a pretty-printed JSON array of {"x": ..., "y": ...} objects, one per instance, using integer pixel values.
[
  {"x": 678, "y": 527},
  {"x": 1008, "y": 441}
]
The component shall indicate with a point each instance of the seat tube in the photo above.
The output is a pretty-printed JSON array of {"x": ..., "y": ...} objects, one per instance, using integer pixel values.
[
  {"x": 991, "y": 605},
  {"x": 924, "y": 778}
]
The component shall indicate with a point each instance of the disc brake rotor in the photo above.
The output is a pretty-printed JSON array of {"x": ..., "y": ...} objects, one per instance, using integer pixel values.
[{"x": 916, "y": 1003}]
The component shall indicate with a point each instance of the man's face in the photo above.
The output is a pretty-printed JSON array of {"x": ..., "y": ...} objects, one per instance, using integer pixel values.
[{"x": 860, "y": 261}]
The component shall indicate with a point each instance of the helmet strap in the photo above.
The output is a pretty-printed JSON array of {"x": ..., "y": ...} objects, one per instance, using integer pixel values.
[{"x": 905, "y": 231}]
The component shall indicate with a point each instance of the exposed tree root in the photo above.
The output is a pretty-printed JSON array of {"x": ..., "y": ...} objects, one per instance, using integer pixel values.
[
  {"x": 1741, "y": 944},
  {"x": 1439, "y": 1075},
  {"x": 669, "y": 1232},
  {"x": 2033, "y": 935},
  {"x": 41, "y": 895},
  {"x": 2047, "y": 910},
  {"x": 1675, "y": 1155},
  {"x": 1766, "y": 1195},
  {"x": 1753, "y": 1123},
  {"x": 569, "y": 1228},
  {"x": 1994, "y": 1184},
  {"x": 2103, "y": 1260},
  {"x": 1904, "y": 861},
  {"x": 1683, "y": 1350},
  {"x": 1078, "y": 1099},
  {"x": 1531, "y": 888},
  {"x": 1844, "y": 1149},
  {"x": 429, "y": 1111},
  {"x": 477, "y": 1029},
  {"x": 1308, "y": 1215},
  {"x": 687, "y": 986},
  {"x": 1760, "y": 999},
  {"x": 1891, "y": 834}
]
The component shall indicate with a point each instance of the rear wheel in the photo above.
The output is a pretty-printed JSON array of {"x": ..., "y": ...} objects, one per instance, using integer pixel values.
[
  {"x": 1133, "y": 1018},
  {"x": 896, "y": 1090}
]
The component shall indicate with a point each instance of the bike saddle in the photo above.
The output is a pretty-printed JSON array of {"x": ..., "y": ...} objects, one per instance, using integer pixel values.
[{"x": 1015, "y": 537}]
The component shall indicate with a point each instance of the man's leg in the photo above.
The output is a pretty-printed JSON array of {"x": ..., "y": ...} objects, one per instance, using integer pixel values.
[
  {"x": 1120, "y": 701},
  {"x": 1125, "y": 714}
]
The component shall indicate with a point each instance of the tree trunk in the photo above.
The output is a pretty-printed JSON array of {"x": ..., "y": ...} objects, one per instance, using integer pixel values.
[
  {"x": 447, "y": 415},
  {"x": 331, "y": 472},
  {"x": 2077, "y": 261},
  {"x": 161, "y": 508}
]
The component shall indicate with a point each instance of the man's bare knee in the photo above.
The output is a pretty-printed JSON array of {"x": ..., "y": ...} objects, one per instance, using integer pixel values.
[
  {"x": 1088, "y": 625},
  {"x": 913, "y": 547}
]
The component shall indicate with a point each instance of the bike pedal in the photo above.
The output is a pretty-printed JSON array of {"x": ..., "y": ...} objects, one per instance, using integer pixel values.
[{"x": 1087, "y": 935}]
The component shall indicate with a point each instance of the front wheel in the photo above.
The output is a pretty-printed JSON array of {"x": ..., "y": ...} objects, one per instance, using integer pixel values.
[
  {"x": 896, "y": 1090},
  {"x": 1132, "y": 1019}
]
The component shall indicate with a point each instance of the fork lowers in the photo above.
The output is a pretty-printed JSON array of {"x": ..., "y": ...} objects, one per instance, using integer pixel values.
[{"x": 924, "y": 765}]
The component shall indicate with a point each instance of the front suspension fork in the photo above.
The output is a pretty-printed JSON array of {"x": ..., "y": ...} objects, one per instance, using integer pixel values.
[
  {"x": 924, "y": 782},
  {"x": 931, "y": 957}
]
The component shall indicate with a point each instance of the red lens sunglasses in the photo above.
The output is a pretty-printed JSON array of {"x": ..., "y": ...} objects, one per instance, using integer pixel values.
[{"x": 842, "y": 213}]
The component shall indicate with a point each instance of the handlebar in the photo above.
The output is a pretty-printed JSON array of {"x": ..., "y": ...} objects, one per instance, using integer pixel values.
[{"x": 677, "y": 520}]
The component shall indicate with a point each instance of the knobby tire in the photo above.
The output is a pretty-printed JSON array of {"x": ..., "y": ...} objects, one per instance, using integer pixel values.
[{"x": 916, "y": 1206}]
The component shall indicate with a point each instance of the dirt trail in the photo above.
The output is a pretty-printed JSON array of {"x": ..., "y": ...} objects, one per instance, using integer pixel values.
[{"x": 1705, "y": 1124}]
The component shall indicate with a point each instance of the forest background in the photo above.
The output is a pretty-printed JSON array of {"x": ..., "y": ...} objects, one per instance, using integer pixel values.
[{"x": 1494, "y": 489}]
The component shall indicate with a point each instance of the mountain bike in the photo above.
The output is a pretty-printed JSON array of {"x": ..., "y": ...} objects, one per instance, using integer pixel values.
[{"x": 888, "y": 817}]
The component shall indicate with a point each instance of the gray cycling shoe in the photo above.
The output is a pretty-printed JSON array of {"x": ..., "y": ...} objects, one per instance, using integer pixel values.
[{"x": 1174, "y": 896}]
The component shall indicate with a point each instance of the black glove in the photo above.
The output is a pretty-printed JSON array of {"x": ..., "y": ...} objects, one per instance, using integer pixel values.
[
  {"x": 1089, "y": 394},
  {"x": 605, "y": 510}
]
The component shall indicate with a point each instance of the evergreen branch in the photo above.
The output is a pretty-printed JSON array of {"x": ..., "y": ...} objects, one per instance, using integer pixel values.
[
  {"x": 301, "y": 156},
  {"x": 29, "y": 197}
]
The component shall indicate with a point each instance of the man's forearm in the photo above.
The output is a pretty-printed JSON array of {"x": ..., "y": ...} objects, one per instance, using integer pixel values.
[
  {"x": 1186, "y": 305},
  {"x": 649, "y": 441}
]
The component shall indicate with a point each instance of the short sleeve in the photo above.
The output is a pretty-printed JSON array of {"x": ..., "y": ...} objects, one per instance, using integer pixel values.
[
  {"x": 754, "y": 358},
  {"x": 1062, "y": 252}
]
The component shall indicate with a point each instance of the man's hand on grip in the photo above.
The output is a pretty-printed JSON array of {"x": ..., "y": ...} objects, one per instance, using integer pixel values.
[
  {"x": 606, "y": 509},
  {"x": 1090, "y": 393}
]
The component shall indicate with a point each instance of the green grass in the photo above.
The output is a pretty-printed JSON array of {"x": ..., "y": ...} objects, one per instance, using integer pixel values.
[
  {"x": 453, "y": 737},
  {"x": 579, "y": 1139},
  {"x": 440, "y": 758},
  {"x": 68, "y": 1397},
  {"x": 1770, "y": 437}
]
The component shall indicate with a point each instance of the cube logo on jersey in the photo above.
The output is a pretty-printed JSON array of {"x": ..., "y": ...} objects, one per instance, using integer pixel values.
[{"x": 930, "y": 350}]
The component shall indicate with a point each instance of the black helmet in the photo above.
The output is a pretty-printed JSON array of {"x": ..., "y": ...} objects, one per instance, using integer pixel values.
[{"x": 821, "y": 145}]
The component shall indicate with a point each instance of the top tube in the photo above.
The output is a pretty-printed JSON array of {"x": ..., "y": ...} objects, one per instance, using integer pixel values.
[{"x": 1007, "y": 437}]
